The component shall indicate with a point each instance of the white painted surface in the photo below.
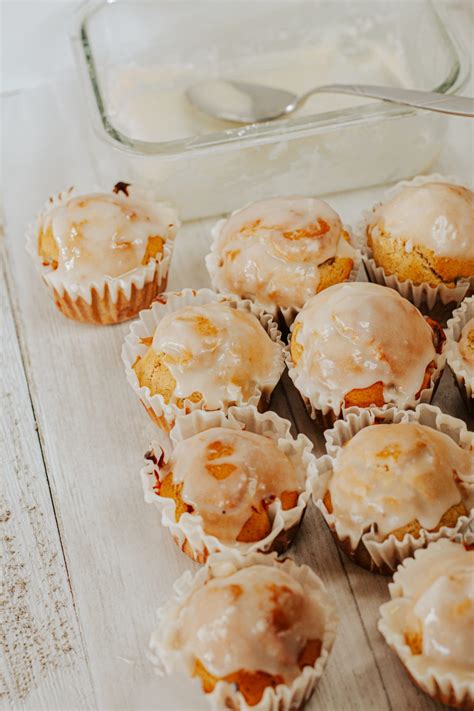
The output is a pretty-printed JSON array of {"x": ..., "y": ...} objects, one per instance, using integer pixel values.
[{"x": 76, "y": 636}]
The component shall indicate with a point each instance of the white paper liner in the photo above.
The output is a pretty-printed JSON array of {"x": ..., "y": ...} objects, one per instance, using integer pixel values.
[
  {"x": 164, "y": 414},
  {"x": 422, "y": 295},
  {"x": 138, "y": 277},
  {"x": 279, "y": 313},
  {"x": 387, "y": 554},
  {"x": 441, "y": 685},
  {"x": 188, "y": 532},
  {"x": 283, "y": 697},
  {"x": 464, "y": 378},
  {"x": 326, "y": 413}
]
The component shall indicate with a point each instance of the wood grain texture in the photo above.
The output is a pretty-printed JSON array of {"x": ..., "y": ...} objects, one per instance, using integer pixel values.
[
  {"x": 43, "y": 661},
  {"x": 120, "y": 562},
  {"x": 369, "y": 591}
]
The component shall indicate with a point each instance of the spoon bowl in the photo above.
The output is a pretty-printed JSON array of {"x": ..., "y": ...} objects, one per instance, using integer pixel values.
[{"x": 240, "y": 101}]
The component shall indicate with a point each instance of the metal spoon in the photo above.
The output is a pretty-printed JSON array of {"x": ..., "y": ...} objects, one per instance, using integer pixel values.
[{"x": 243, "y": 102}]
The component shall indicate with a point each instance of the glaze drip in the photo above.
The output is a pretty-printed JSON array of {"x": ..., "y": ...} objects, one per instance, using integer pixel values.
[
  {"x": 227, "y": 474},
  {"x": 101, "y": 235},
  {"x": 272, "y": 250},
  {"x": 258, "y": 618}
]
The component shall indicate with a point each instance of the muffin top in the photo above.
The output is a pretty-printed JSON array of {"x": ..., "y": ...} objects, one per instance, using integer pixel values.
[
  {"x": 256, "y": 619},
  {"x": 212, "y": 352},
  {"x": 392, "y": 475},
  {"x": 438, "y": 594},
  {"x": 100, "y": 234},
  {"x": 360, "y": 335},
  {"x": 438, "y": 216},
  {"x": 466, "y": 346},
  {"x": 280, "y": 251},
  {"x": 230, "y": 478}
]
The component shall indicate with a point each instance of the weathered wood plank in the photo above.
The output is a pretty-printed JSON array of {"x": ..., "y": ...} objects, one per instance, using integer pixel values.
[
  {"x": 369, "y": 591},
  {"x": 121, "y": 563},
  {"x": 42, "y": 663}
]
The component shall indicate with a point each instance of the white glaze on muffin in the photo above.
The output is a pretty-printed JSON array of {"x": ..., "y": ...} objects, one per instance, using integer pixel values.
[
  {"x": 352, "y": 336},
  {"x": 389, "y": 476},
  {"x": 438, "y": 216},
  {"x": 433, "y": 612},
  {"x": 466, "y": 347},
  {"x": 211, "y": 352},
  {"x": 273, "y": 251},
  {"x": 230, "y": 478},
  {"x": 257, "y": 619},
  {"x": 101, "y": 234}
]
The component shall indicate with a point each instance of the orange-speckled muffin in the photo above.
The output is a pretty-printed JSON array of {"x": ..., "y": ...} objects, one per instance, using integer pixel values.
[
  {"x": 425, "y": 233},
  {"x": 201, "y": 350},
  {"x": 276, "y": 627},
  {"x": 460, "y": 349},
  {"x": 430, "y": 619},
  {"x": 393, "y": 487},
  {"x": 281, "y": 251},
  {"x": 104, "y": 256},
  {"x": 237, "y": 482},
  {"x": 466, "y": 346},
  {"x": 361, "y": 344}
]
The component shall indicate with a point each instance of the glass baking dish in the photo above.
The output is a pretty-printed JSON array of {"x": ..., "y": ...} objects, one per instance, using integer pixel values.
[{"x": 136, "y": 59}]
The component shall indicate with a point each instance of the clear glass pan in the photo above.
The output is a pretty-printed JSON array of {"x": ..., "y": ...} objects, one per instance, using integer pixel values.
[{"x": 136, "y": 59}]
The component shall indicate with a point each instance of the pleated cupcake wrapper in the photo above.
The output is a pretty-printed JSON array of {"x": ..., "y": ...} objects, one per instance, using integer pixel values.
[
  {"x": 441, "y": 685},
  {"x": 283, "y": 315},
  {"x": 165, "y": 414},
  {"x": 326, "y": 413},
  {"x": 464, "y": 379},
  {"x": 98, "y": 299},
  {"x": 284, "y": 697},
  {"x": 188, "y": 532},
  {"x": 387, "y": 554},
  {"x": 424, "y": 296}
]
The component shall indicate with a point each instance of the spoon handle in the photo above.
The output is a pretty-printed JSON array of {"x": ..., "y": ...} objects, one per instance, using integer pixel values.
[{"x": 429, "y": 100}]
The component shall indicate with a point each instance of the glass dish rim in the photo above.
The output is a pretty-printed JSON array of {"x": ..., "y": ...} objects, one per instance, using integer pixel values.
[{"x": 254, "y": 134}]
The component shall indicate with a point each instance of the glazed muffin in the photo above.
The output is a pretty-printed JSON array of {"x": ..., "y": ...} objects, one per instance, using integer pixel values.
[
  {"x": 236, "y": 482},
  {"x": 393, "y": 487},
  {"x": 460, "y": 349},
  {"x": 361, "y": 344},
  {"x": 276, "y": 627},
  {"x": 466, "y": 346},
  {"x": 425, "y": 233},
  {"x": 279, "y": 252},
  {"x": 104, "y": 256},
  {"x": 429, "y": 621},
  {"x": 199, "y": 350}
]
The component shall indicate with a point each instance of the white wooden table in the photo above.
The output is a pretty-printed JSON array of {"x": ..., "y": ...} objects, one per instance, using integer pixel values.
[{"x": 85, "y": 562}]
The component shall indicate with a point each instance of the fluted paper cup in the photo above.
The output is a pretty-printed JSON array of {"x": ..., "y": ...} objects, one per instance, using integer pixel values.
[
  {"x": 437, "y": 301},
  {"x": 284, "y": 697},
  {"x": 141, "y": 331},
  {"x": 107, "y": 300},
  {"x": 463, "y": 376},
  {"x": 189, "y": 532},
  {"x": 383, "y": 556}
]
